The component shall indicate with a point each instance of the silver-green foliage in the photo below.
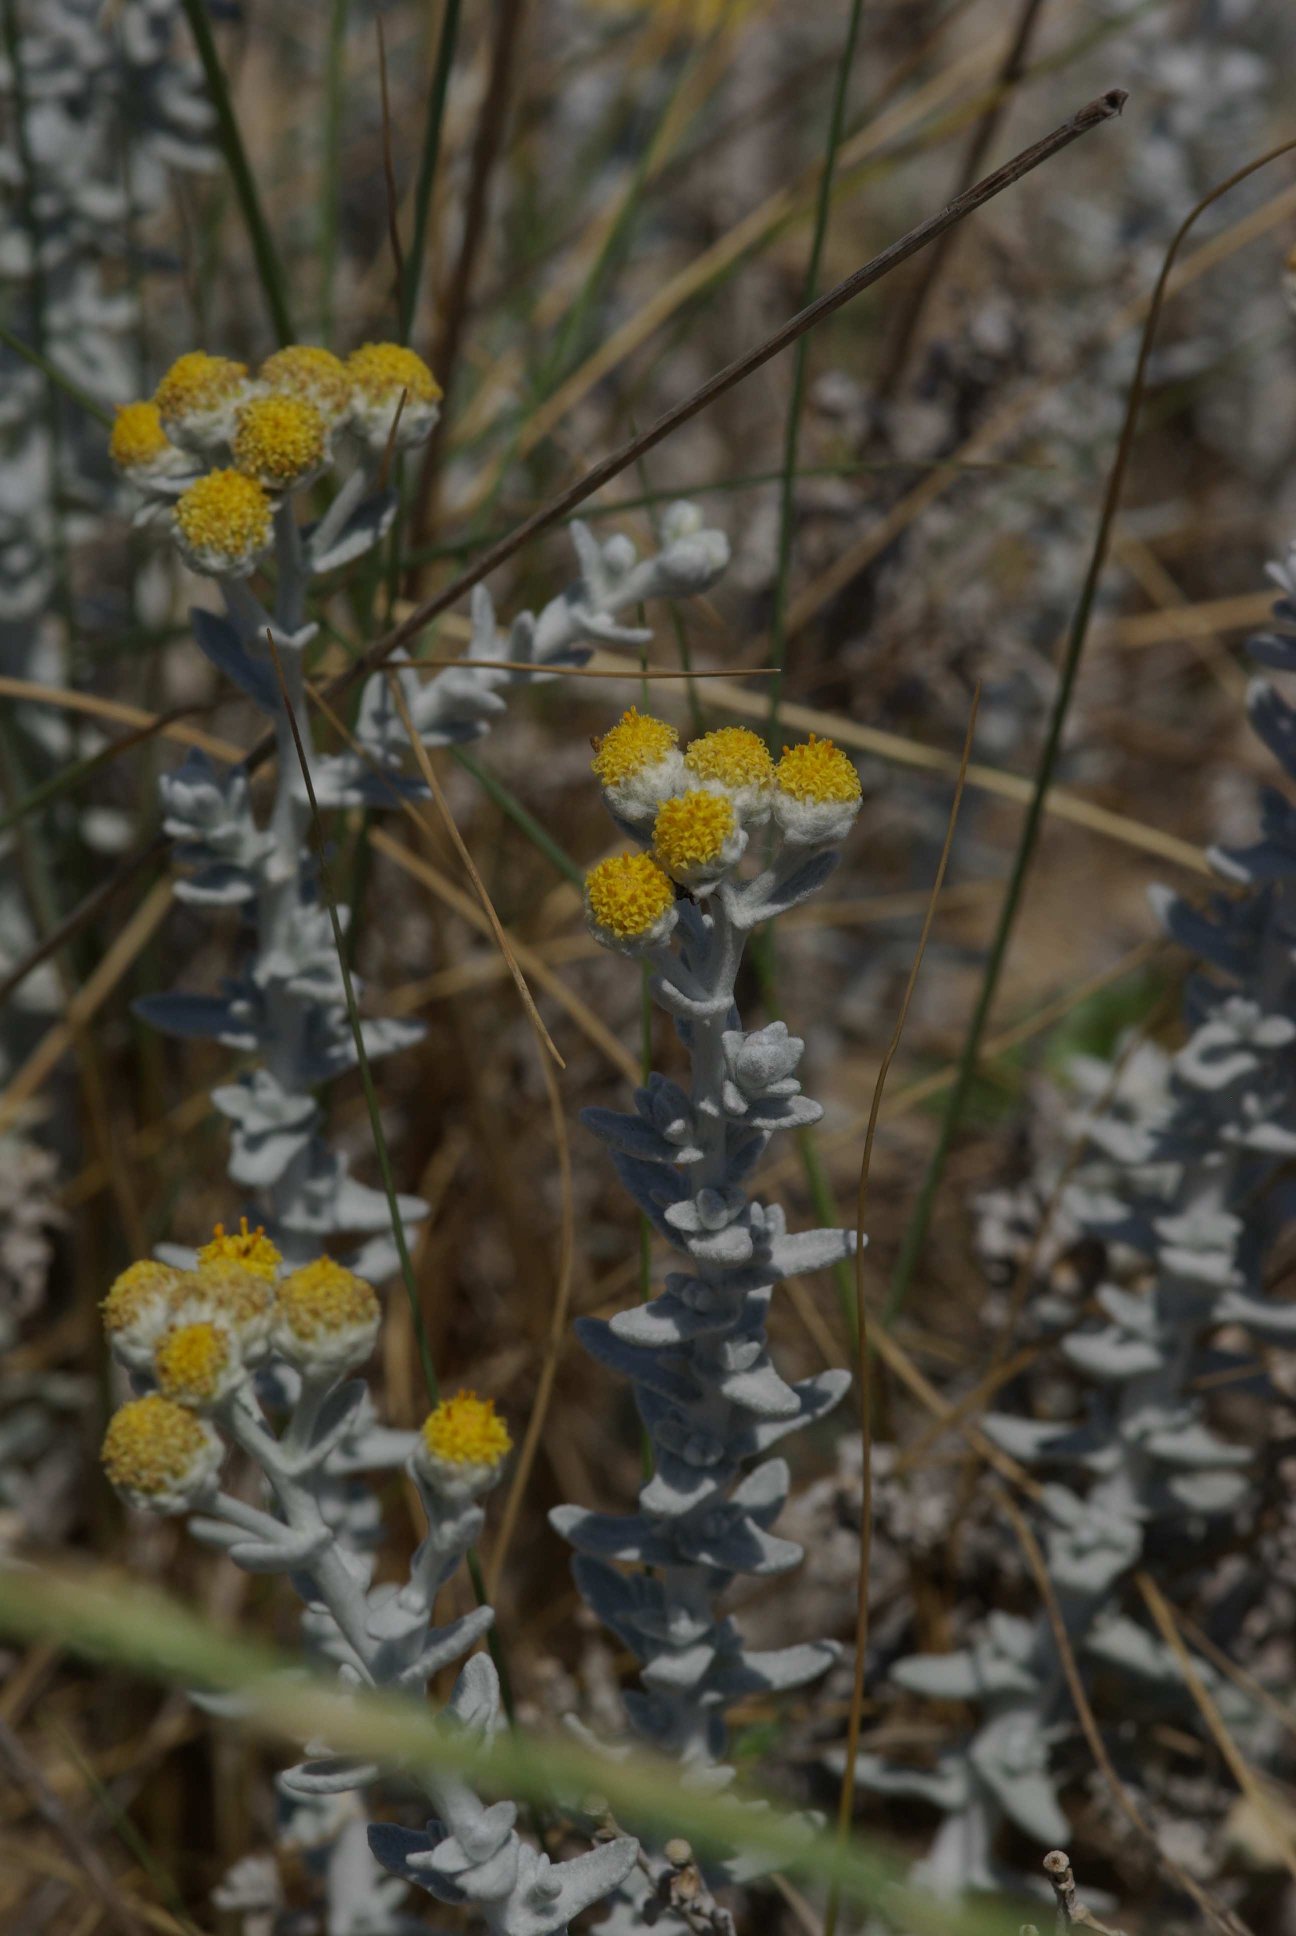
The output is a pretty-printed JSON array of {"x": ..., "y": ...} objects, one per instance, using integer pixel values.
[
  {"x": 1182, "y": 1193},
  {"x": 710, "y": 1397},
  {"x": 286, "y": 1008}
]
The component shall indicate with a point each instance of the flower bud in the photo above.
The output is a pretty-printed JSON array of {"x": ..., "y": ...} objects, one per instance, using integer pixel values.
[
  {"x": 462, "y": 1447},
  {"x": 160, "y": 1457}
]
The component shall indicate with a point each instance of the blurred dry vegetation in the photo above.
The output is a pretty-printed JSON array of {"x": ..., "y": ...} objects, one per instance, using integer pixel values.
[{"x": 643, "y": 196}]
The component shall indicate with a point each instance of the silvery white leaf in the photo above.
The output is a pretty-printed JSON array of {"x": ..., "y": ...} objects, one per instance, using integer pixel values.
[
  {"x": 367, "y": 525},
  {"x": 219, "y": 642},
  {"x": 206, "y": 1017},
  {"x": 948, "y": 1785}
]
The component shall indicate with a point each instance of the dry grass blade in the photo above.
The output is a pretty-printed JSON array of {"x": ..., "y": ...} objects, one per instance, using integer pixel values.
[
  {"x": 470, "y": 910},
  {"x": 88, "y": 999},
  {"x": 1010, "y": 417},
  {"x": 19, "y": 1851},
  {"x": 1152, "y": 578},
  {"x": 1254, "y": 1790},
  {"x": 1284, "y": 1716},
  {"x": 1219, "y": 1917},
  {"x": 1201, "y": 620},
  {"x": 634, "y": 675},
  {"x": 751, "y": 233},
  {"x": 562, "y": 1290},
  {"x": 27, "y": 1775},
  {"x": 30, "y": 692},
  {"x": 1061, "y": 804},
  {"x": 748, "y": 234},
  {"x": 1001, "y": 1372},
  {"x": 357, "y": 1035},
  {"x": 544, "y": 977},
  {"x": 434, "y": 787},
  {"x": 863, "y": 1368},
  {"x": 904, "y": 329},
  {"x": 1093, "y": 115}
]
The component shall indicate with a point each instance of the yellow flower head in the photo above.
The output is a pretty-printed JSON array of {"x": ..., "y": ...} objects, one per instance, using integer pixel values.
[
  {"x": 733, "y": 755},
  {"x": 197, "y": 397},
  {"x": 818, "y": 770},
  {"x": 636, "y": 741},
  {"x": 466, "y": 1430},
  {"x": 737, "y": 761},
  {"x": 159, "y": 1454},
  {"x": 326, "y": 1317},
  {"x": 630, "y": 902},
  {"x": 223, "y": 523},
  {"x": 316, "y": 375},
  {"x": 137, "y": 1310},
  {"x": 142, "y": 451},
  {"x": 138, "y": 438},
  {"x": 817, "y": 793},
  {"x": 694, "y": 836},
  {"x": 139, "y": 1288},
  {"x": 279, "y": 440},
  {"x": 250, "y": 1248},
  {"x": 387, "y": 379},
  {"x": 239, "y": 1295},
  {"x": 383, "y": 370},
  {"x": 196, "y": 1363}
]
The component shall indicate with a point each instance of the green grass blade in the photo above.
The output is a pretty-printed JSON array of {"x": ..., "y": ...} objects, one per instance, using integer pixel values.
[
  {"x": 330, "y": 213},
  {"x": 432, "y": 131},
  {"x": 108, "y": 1619},
  {"x": 52, "y": 374},
  {"x": 801, "y": 359},
  {"x": 269, "y": 268},
  {"x": 509, "y": 803}
]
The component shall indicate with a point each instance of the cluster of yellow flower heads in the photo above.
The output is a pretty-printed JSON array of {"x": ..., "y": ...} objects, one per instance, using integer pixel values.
[
  {"x": 196, "y": 1333},
  {"x": 692, "y": 809},
  {"x": 276, "y": 430}
]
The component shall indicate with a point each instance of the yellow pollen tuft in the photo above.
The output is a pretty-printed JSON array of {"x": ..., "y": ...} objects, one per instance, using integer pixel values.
[
  {"x": 636, "y": 742},
  {"x": 251, "y": 1248},
  {"x": 323, "y": 1298},
  {"x": 225, "y": 512},
  {"x": 151, "y": 1444},
  {"x": 278, "y": 440},
  {"x": 137, "y": 435},
  {"x": 818, "y": 770},
  {"x": 733, "y": 755},
  {"x": 628, "y": 894},
  {"x": 197, "y": 382},
  {"x": 466, "y": 1430},
  {"x": 691, "y": 829},
  {"x": 305, "y": 370},
  {"x": 381, "y": 371},
  {"x": 189, "y": 1362},
  {"x": 136, "y": 1288},
  {"x": 239, "y": 1294}
]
